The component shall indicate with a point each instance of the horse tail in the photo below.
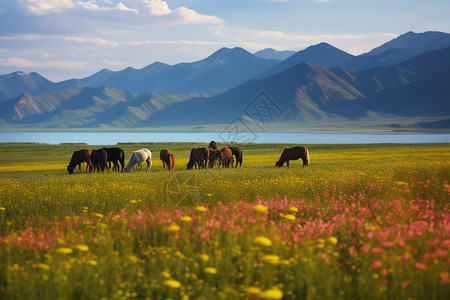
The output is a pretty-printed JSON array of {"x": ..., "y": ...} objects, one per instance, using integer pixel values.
[
  {"x": 122, "y": 159},
  {"x": 307, "y": 156},
  {"x": 172, "y": 161}
]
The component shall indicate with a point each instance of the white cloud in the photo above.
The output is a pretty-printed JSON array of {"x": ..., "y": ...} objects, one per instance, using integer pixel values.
[{"x": 128, "y": 12}]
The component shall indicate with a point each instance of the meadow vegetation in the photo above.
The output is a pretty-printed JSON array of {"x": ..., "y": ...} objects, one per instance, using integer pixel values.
[{"x": 361, "y": 222}]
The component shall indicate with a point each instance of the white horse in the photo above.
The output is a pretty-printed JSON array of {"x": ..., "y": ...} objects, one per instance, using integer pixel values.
[{"x": 138, "y": 157}]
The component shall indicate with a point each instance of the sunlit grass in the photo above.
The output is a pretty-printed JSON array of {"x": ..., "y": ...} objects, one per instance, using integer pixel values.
[{"x": 362, "y": 221}]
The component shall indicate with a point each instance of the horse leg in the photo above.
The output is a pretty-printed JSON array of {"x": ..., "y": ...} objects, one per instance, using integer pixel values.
[
  {"x": 79, "y": 167},
  {"x": 287, "y": 163},
  {"x": 149, "y": 165}
]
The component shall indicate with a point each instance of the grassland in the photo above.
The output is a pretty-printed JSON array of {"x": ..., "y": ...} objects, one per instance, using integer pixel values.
[{"x": 361, "y": 222}]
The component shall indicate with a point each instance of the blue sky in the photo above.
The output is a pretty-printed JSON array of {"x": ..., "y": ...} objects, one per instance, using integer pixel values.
[{"x": 62, "y": 39}]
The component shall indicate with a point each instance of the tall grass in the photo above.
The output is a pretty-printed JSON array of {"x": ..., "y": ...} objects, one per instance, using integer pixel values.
[{"x": 362, "y": 221}]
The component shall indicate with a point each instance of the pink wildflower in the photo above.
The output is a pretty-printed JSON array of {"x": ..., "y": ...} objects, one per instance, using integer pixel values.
[
  {"x": 421, "y": 266},
  {"x": 376, "y": 264}
]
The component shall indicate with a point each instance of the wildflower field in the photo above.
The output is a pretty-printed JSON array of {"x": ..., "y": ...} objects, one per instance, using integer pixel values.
[{"x": 361, "y": 222}]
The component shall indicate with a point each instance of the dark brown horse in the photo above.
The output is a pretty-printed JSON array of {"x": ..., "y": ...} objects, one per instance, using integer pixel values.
[
  {"x": 167, "y": 158},
  {"x": 293, "y": 153},
  {"x": 116, "y": 156},
  {"x": 78, "y": 157},
  {"x": 99, "y": 160},
  {"x": 199, "y": 157},
  {"x": 237, "y": 152},
  {"x": 214, "y": 155},
  {"x": 212, "y": 145},
  {"x": 227, "y": 157}
]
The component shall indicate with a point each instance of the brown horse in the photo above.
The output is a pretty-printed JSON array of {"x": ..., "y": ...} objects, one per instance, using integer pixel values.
[
  {"x": 237, "y": 152},
  {"x": 227, "y": 157},
  {"x": 293, "y": 153},
  {"x": 199, "y": 157},
  {"x": 78, "y": 157},
  {"x": 214, "y": 155},
  {"x": 168, "y": 158},
  {"x": 212, "y": 145}
]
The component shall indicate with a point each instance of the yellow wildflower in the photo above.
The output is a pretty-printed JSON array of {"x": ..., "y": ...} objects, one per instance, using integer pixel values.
[
  {"x": 166, "y": 274},
  {"x": 92, "y": 262},
  {"x": 172, "y": 283},
  {"x": 252, "y": 290},
  {"x": 64, "y": 250},
  {"x": 271, "y": 259},
  {"x": 209, "y": 195},
  {"x": 293, "y": 209},
  {"x": 333, "y": 240},
  {"x": 200, "y": 208},
  {"x": 173, "y": 228},
  {"x": 262, "y": 241},
  {"x": 43, "y": 266},
  {"x": 2, "y": 208},
  {"x": 289, "y": 217},
  {"x": 186, "y": 219},
  {"x": 210, "y": 270},
  {"x": 204, "y": 257},
  {"x": 271, "y": 294},
  {"x": 98, "y": 215},
  {"x": 83, "y": 248},
  {"x": 260, "y": 209}
]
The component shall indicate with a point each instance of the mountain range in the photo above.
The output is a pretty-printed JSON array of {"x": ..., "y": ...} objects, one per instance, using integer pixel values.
[{"x": 405, "y": 82}]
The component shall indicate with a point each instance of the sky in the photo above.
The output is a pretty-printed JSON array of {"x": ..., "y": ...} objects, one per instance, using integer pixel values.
[{"x": 64, "y": 39}]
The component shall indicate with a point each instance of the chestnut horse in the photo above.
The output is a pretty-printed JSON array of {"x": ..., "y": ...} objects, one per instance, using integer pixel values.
[
  {"x": 227, "y": 157},
  {"x": 78, "y": 157},
  {"x": 293, "y": 153},
  {"x": 199, "y": 157},
  {"x": 237, "y": 152},
  {"x": 168, "y": 158}
]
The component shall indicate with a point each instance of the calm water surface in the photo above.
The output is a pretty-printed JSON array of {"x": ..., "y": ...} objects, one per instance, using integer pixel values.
[{"x": 112, "y": 138}]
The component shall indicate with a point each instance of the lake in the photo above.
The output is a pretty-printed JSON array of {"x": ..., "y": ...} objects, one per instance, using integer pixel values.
[{"x": 316, "y": 137}]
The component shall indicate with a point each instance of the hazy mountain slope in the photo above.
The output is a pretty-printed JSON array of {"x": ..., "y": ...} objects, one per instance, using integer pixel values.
[
  {"x": 15, "y": 84},
  {"x": 322, "y": 54},
  {"x": 132, "y": 112},
  {"x": 270, "y": 53},
  {"x": 220, "y": 71},
  {"x": 299, "y": 92}
]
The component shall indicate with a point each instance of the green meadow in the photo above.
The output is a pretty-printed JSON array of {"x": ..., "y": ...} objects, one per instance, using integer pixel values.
[{"x": 361, "y": 222}]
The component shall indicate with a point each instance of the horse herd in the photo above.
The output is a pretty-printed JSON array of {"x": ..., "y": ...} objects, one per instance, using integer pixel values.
[{"x": 200, "y": 158}]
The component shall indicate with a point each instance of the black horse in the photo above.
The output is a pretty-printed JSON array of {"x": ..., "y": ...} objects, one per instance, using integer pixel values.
[
  {"x": 116, "y": 156},
  {"x": 99, "y": 160},
  {"x": 237, "y": 152}
]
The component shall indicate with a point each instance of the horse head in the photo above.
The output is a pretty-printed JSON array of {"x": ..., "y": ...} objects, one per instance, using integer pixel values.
[
  {"x": 278, "y": 164},
  {"x": 70, "y": 169}
]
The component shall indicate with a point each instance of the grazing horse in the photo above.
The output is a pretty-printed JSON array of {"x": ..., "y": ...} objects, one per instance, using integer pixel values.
[
  {"x": 214, "y": 155},
  {"x": 99, "y": 160},
  {"x": 167, "y": 158},
  {"x": 293, "y": 153},
  {"x": 227, "y": 157},
  {"x": 199, "y": 156},
  {"x": 212, "y": 145},
  {"x": 138, "y": 157},
  {"x": 237, "y": 154},
  {"x": 116, "y": 156},
  {"x": 78, "y": 157}
]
